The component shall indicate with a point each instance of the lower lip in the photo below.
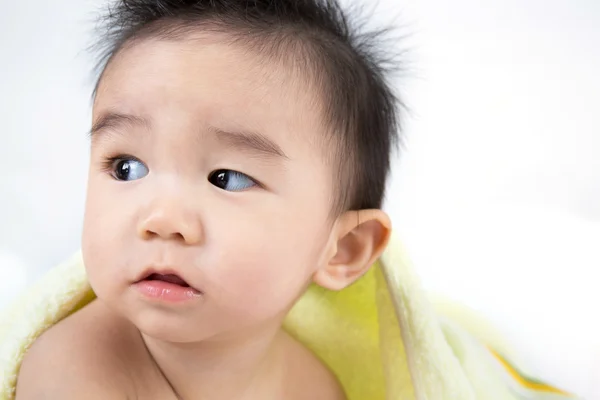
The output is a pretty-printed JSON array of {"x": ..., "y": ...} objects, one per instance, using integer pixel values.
[{"x": 165, "y": 291}]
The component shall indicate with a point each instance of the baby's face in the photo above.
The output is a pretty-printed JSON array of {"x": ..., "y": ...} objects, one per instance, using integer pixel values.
[{"x": 205, "y": 161}]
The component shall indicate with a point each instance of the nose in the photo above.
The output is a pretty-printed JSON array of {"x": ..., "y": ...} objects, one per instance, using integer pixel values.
[{"x": 170, "y": 220}]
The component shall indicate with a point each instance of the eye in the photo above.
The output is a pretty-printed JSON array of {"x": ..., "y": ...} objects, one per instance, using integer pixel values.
[
  {"x": 128, "y": 169},
  {"x": 232, "y": 181}
]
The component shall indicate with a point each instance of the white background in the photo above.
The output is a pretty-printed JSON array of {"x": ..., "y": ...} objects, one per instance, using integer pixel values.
[{"x": 496, "y": 196}]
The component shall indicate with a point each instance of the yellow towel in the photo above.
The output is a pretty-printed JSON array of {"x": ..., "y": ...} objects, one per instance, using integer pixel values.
[{"x": 383, "y": 337}]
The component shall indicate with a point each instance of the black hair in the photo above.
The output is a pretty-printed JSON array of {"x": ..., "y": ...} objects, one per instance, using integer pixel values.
[{"x": 346, "y": 63}]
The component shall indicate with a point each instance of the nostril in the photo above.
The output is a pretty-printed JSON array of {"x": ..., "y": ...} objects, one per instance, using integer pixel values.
[
  {"x": 178, "y": 236},
  {"x": 149, "y": 234}
]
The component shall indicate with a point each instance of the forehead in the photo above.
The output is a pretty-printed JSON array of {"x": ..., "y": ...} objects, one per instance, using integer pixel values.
[{"x": 207, "y": 80}]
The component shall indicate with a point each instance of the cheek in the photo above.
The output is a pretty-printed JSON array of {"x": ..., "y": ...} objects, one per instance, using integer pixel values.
[
  {"x": 93, "y": 247},
  {"x": 101, "y": 238},
  {"x": 262, "y": 288},
  {"x": 264, "y": 268}
]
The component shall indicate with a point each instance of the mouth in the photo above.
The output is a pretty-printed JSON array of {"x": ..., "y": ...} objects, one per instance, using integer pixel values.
[
  {"x": 165, "y": 286},
  {"x": 169, "y": 278}
]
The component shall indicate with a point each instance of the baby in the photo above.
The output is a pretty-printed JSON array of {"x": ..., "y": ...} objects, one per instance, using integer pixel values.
[{"x": 239, "y": 153}]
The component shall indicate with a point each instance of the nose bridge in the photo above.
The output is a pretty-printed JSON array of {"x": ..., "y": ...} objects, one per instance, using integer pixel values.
[{"x": 169, "y": 214}]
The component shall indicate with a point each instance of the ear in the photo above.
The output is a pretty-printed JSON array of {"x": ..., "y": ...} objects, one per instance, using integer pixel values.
[{"x": 359, "y": 239}]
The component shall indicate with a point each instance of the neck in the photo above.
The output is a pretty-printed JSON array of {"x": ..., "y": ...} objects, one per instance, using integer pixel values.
[{"x": 219, "y": 369}]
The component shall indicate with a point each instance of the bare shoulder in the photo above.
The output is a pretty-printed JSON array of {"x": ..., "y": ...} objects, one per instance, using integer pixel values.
[
  {"x": 307, "y": 377},
  {"x": 82, "y": 356}
]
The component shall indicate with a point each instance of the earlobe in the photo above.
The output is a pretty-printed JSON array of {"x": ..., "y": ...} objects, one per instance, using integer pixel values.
[{"x": 361, "y": 237}]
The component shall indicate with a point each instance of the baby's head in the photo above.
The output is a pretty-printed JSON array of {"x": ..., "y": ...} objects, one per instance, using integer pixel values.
[{"x": 242, "y": 145}]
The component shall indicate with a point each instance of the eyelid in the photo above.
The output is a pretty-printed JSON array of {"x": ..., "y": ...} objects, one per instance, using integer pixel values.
[{"x": 108, "y": 163}]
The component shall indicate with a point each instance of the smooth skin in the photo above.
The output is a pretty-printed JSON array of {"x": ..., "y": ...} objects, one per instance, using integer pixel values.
[{"x": 206, "y": 158}]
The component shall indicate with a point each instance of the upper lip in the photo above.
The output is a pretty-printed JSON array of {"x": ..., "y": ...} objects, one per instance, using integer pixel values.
[{"x": 163, "y": 271}]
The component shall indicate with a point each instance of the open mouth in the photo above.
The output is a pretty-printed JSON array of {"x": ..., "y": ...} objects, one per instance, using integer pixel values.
[
  {"x": 166, "y": 287},
  {"x": 169, "y": 278}
]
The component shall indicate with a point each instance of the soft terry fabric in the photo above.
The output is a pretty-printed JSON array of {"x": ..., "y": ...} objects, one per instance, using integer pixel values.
[{"x": 382, "y": 337}]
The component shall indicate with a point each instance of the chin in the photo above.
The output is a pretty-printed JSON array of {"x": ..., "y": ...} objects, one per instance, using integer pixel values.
[
  {"x": 168, "y": 327},
  {"x": 165, "y": 335}
]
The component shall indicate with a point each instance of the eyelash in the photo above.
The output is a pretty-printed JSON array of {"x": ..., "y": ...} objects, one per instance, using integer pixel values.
[{"x": 108, "y": 166}]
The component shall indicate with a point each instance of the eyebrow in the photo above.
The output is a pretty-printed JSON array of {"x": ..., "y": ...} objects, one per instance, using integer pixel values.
[
  {"x": 113, "y": 120},
  {"x": 253, "y": 142},
  {"x": 250, "y": 141}
]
